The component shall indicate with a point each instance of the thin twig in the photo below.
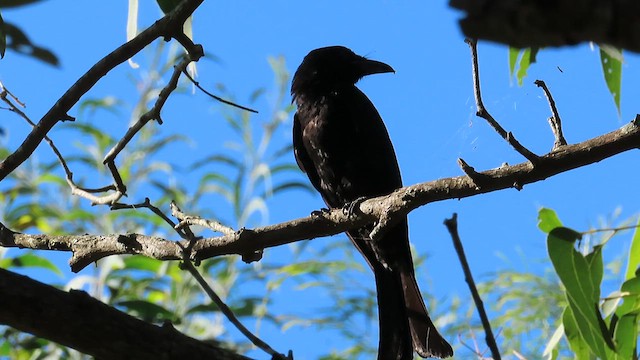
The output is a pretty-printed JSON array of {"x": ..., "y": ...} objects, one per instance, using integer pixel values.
[
  {"x": 185, "y": 233},
  {"x": 171, "y": 23},
  {"x": 197, "y": 84},
  {"x": 230, "y": 315},
  {"x": 452, "y": 226},
  {"x": 593, "y": 231},
  {"x": 153, "y": 113},
  {"x": 12, "y": 107},
  {"x": 187, "y": 220},
  {"x": 75, "y": 190},
  {"x": 554, "y": 120},
  {"x": 483, "y": 113}
]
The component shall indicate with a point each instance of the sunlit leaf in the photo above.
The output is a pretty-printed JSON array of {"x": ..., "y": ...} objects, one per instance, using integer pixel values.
[
  {"x": 548, "y": 220},
  {"x": 612, "y": 71},
  {"x": 551, "y": 349},
  {"x": 633, "y": 263},
  {"x": 132, "y": 26},
  {"x": 610, "y": 304},
  {"x": 519, "y": 62},
  {"x": 574, "y": 271},
  {"x": 142, "y": 263}
]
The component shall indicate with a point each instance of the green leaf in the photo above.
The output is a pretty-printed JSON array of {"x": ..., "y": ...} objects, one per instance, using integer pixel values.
[
  {"x": 611, "y": 60},
  {"x": 633, "y": 264},
  {"x": 577, "y": 276},
  {"x": 631, "y": 304},
  {"x": 576, "y": 342},
  {"x": 5, "y": 348},
  {"x": 513, "y": 59},
  {"x": 31, "y": 260},
  {"x": 522, "y": 58},
  {"x": 628, "y": 314},
  {"x": 20, "y": 43},
  {"x": 551, "y": 349},
  {"x": 147, "y": 311},
  {"x": 142, "y": 263},
  {"x": 596, "y": 267},
  {"x": 292, "y": 185},
  {"x": 548, "y": 220}
]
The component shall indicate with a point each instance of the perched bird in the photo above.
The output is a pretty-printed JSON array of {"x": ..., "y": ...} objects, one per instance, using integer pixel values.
[{"x": 342, "y": 145}]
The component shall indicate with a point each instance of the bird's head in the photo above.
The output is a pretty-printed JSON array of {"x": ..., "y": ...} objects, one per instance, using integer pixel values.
[{"x": 328, "y": 69}]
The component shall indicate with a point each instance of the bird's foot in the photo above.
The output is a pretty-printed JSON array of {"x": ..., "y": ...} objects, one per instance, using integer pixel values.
[
  {"x": 320, "y": 213},
  {"x": 349, "y": 208}
]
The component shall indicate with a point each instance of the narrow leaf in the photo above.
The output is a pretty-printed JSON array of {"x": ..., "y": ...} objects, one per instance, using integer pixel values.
[
  {"x": 612, "y": 70},
  {"x": 576, "y": 342},
  {"x": 583, "y": 295},
  {"x": 30, "y": 260},
  {"x": 132, "y": 26},
  {"x": 626, "y": 330},
  {"x": 513, "y": 59},
  {"x": 633, "y": 264}
]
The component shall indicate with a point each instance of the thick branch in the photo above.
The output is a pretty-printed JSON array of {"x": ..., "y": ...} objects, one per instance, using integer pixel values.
[
  {"x": 88, "y": 248},
  {"x": 534, "y": 23},
  {"x": 166, "y": 27},
  {"x": 77, "y": 320}
]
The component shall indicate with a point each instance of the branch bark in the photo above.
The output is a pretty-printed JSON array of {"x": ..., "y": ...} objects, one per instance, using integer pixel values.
[
  {"x": 90, "y": 248},
  {"x": 77, "y": 320},
  {"x": 533, "y": 23}
]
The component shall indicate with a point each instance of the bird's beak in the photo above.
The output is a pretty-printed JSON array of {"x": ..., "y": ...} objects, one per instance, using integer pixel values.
[{"x": 368, "y": 67}]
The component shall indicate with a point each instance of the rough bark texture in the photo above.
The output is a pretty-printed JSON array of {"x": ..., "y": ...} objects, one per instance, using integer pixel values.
[
  {"x": 77, "y": 320},
  {"x": 536, "y": 23}
]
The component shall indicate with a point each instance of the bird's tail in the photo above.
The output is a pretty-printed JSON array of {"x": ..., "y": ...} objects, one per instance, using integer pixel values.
[
  {"x": 395, "y": 336},
  {"x": 427, "y": 341},
  {"x": 403, "y": 316}
]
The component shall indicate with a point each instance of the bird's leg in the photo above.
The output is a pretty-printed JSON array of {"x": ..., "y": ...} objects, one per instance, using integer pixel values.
[
  {"x": 320, "y": 213},
  {"x": 349, "y": 208}
]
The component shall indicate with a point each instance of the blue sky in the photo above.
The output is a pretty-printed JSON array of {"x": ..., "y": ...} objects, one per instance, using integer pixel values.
[{"x": 427, "y": 105}]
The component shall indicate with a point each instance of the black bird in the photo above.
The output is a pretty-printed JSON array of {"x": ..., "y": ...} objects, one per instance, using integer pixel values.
[{"x": 342, "y": 145}]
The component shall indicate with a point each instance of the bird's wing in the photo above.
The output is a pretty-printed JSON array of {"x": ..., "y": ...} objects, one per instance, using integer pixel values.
[{"x": 302, "y": 157}]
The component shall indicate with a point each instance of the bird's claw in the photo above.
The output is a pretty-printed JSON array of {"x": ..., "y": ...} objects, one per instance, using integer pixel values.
[
  {"x": 349, "y": 209},
  {"x": 320, "y": 213}
]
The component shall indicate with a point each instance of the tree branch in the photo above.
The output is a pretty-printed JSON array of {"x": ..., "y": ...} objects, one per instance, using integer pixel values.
[
  {"x": 166, "y": 27},
  {"x": 90, "y": 248},
  {"x": 534, "y": 23},
  {"x": 77, "y": 320},
  {"x": 484, "y": 113},
  {"x": 452, "y": 226}
]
